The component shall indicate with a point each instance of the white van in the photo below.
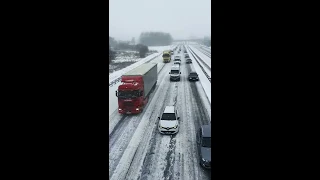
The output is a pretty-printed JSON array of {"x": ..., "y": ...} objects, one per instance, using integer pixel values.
[{"x": 175, "y": 73}]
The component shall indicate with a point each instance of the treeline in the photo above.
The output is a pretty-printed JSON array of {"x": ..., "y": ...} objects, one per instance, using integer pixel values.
[{"x": 155, "y": 39}]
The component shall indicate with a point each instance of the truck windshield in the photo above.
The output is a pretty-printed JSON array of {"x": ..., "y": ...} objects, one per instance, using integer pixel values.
[
  {"x": 166, "y": 55},
  {"x": 174, "y": 71},
  {"x": 168, "y": 116},
  {"x": 206, "y": 142},
  {"x": 128, "y": 94}
]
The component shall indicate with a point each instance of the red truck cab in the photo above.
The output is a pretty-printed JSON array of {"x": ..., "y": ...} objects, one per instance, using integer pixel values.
[
  {"x": 136, "y": 87},
  {"x": 130, "y": 95}
]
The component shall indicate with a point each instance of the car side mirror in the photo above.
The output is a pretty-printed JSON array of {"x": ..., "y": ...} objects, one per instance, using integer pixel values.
[
  {"x": 169, "y": 72},
  {"x": 159, "y": 118},
  {"x": 178, "y": 118},
  {"x": 180, "y": 72},
  {"x": 117, "y": 93}
]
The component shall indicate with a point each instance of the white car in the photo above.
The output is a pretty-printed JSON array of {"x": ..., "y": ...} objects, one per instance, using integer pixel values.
[
  {"x": 169, "y": 121},
  {"x": 177, "y": 58},
  {"x": 177, "y": 62}
]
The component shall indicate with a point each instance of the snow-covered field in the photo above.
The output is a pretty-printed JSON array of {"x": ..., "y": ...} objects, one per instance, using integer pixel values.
[
  {"x": 119, "y": 73},
  {"x": 137, "y": 150},
  {"x": 160, "y": 48}
]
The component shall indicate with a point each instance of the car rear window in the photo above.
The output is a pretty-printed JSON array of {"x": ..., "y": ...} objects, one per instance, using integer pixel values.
[{"x": 168, "y": 116}]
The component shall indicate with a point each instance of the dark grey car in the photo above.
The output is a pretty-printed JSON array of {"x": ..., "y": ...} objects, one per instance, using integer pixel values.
[
  {"x": 204, "y": 145},
  {"x": 193, "y": 76},
  {"x": 188, "y": 61}
]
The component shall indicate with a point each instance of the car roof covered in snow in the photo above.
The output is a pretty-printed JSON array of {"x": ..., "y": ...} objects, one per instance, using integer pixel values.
[
  {"x": 175, "y": 67},
  {"x": 141, "y": 70},
  {"x": 206, "y": 131},
  {"x": 169, "y": 109}
]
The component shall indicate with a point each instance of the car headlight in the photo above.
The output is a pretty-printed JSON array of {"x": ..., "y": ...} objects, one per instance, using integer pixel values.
[{"x": 175, "y": 127}]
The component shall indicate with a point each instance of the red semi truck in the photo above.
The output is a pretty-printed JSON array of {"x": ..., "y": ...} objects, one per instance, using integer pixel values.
[{"x": 136, "y": 87}]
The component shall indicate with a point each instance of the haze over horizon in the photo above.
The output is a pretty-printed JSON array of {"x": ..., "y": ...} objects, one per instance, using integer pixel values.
[{"x": 181, "y": 18}]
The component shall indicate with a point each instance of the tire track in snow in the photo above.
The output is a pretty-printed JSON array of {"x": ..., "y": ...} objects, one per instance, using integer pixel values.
[
  {"x": 154, "y": 151},
  {"x": 179, "y": 165},
  {"x": 199, "y": 117},
  {"x": 187, "y": 135},
  {"x": 120, "y": 140},
  {"x": 143, "y": 166},
  {"x": 170, "y": 158}
]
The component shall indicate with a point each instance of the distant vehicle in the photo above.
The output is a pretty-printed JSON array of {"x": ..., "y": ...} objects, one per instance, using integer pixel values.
[
  {"x": 175, "y": 73},
  {"x": 136, "y": 87},
  {"x": 176, "y": 65},
  {"x": 193, "y": 76},
  {"x": 177, "y": 61},
  {"x": 169, "y": 121},
  {"x": 186, "y": 55},
  {"x": 204, "y": 145},
  {"x": 166, "y": 56},
  {"x": 171, "y": 52},
  {"x": 177, "y": 58},
  {"x": 188, "y": 61}
]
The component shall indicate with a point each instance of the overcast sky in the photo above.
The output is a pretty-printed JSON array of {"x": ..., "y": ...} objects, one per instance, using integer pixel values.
[{"x": 180, "y": 18}]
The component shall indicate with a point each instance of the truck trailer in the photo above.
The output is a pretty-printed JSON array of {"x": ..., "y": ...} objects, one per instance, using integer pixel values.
[{"x": 135, "y": 88}]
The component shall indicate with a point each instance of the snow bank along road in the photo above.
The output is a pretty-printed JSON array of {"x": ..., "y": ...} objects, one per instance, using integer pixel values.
[
  {"x": 204, "y": 50},
  {"x": 138, "y": 151}
]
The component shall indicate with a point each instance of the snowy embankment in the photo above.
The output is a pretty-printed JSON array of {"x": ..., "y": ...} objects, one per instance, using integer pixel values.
[
  {"x": 116, "y": 75},
  {"x": 206, "y": 84}
]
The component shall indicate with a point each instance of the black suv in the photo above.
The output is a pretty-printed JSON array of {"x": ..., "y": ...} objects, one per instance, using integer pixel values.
[
  {"x": 193, "y": 76},
  {"x": 204, "y": 145}
]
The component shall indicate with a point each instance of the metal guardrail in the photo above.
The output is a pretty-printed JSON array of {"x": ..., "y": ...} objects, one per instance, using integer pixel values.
[
  {"x": 205, "y": 52},
  {"x": 198, "y": 58}
]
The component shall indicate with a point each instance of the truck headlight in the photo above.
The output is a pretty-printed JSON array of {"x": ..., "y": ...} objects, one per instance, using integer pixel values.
[
  {"x": 137, "y": 109},
  {"x": 120, "y": 109}
]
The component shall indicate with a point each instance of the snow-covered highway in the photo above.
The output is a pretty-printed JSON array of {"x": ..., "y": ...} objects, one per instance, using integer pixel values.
[{"x": 136, "y": 148}]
